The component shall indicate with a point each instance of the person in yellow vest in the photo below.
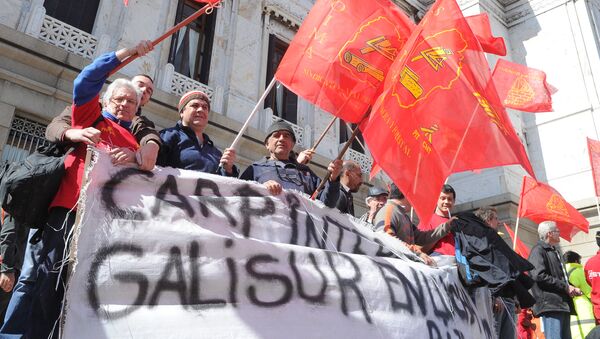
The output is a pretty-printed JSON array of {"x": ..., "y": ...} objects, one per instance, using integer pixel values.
[{"x": 584, "y": 321}]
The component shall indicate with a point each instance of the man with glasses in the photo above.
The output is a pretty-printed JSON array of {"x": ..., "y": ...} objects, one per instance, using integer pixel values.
[
  {"x": 142, "y": 128},
  {"x": 552, "y": 290},
  {"x": 279, "y": 171},
  {"x": 351, "y": 180}
]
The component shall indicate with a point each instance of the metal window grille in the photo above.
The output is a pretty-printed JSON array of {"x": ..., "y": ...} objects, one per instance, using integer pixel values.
[{"x": 24, "y": 137}]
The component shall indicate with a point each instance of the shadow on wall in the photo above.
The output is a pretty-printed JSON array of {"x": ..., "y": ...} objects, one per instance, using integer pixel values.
[{"x": 522, "y": 29}]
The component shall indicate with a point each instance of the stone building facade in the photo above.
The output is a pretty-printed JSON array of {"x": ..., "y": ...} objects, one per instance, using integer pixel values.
[{"x": 232, "y": 54}]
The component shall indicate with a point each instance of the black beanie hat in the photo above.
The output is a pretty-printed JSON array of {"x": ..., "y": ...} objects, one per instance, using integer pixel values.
[{"x": 280, "y": 125}]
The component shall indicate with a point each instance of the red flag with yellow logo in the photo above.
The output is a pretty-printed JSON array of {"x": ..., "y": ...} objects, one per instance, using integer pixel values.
[
  {"x": 540, "y": 202},
  {"x": 480, "y": 24},
  {"x": 521, "y": 248},
  {"x": 594, "y": 152},
  {"x": 341, "y": 54},
  {"x": 439, "y": 112},
  {"x": 522, "y": 88}
]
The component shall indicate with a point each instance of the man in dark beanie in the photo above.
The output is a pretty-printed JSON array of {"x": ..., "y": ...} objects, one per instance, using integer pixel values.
[
  {"x": 393, "y": 219},
  {"x": 186, "y": 145},
  {"x": 279, "y": 171},
  {"x": 592, "y": 275}
]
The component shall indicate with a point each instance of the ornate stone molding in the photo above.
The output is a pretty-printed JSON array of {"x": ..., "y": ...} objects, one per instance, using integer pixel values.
[
  {"x": 522, "y": 10},
  {"x": 283, "y": 16}
]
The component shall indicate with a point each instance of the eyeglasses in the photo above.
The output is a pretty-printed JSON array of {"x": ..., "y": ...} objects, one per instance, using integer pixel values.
[{"x": 123, "y": 101}]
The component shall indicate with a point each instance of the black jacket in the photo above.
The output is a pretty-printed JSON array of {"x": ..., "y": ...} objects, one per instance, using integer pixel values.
[
  {"x": 345, "y": 201},
  {"x": 492, "y": 260},
  {"x": 550, "y": 289}
]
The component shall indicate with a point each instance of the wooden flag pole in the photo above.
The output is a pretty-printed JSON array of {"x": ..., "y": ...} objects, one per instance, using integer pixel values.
[
  {"x": 236, "y": 141},
  {"x": 323, "y": 134},
  {"x": 206, "y": 9},
  {"x": 340, "y": 155}
]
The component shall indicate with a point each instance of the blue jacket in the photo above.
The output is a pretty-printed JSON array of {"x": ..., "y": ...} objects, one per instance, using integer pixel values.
[
  {"x": 181, "y": 149},
  {"x": 292, "y": 175}
]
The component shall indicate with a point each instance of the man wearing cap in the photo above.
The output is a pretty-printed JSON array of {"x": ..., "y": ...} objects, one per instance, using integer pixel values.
[
  {"x": 186, "y": 145},
  {"x": 375, "y": 200},
  {"x": 552, "y": 290},
  {"x": 279, "y": 171},
  {"x": 393, "y": 220},
  {"x": 592, "y": 275},
  {"x": 350, "y": 180}
]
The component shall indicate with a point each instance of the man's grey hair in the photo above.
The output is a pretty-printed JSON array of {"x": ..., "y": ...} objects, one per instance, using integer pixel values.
[
  {"x": 546, "y": 227},
  {"x": 120, "y": 83},
  {"x": 486, "y": 213}
]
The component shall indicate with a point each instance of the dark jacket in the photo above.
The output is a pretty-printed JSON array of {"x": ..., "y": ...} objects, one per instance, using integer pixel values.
[
  {"x": 551, "y": 286},
  {"x": 491, "y": 259},
  {"x": 292, "y": 175},
  {"x": 181, "y": 149},
  {"x": 142, "y": 128},
  {"x": 345, "y": 201}
]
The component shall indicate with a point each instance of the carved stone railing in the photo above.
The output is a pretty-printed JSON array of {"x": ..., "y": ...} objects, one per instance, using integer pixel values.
[
  {"x": 363, "y": 160},
  {"x": 70, "y": 38},
  {"x": 180, "y": 84},
  {"x": 302, "y": 134}
]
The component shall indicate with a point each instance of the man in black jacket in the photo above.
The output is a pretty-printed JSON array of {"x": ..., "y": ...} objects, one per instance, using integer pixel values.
[
  {"x": 350, "y": 182},
  {"x": 551, "y": 290}
]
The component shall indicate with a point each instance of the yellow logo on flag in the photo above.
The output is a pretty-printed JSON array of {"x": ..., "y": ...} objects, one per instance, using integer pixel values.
[
  {"x": 556, "y": 205},
  {"x": 425, "y": 70},
  {"x": 520, "y": 92}
]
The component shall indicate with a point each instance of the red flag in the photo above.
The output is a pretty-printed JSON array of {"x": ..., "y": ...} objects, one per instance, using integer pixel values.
[
  {"x": 439, "y": 112},
  {"x": 594, "y": 151},
  {"x": 521, "y": 249},
  {"x": 540, "y": 202},
  {"x": 522, "y": 88},
  {"x": 339, "y": 57},
  {"x": 480, "y": 24}
]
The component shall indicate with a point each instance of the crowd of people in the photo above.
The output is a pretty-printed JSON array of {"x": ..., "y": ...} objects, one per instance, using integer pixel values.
[{"x": 114, "y": 122}]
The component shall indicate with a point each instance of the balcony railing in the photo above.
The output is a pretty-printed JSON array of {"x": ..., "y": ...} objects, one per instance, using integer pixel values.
[
  {"x": 70, "y": 38},
  {"x": 363, "y": 160}
]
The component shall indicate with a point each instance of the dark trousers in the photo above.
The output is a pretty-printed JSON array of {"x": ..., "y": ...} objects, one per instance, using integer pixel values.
[{"x": 48, "y": 295}]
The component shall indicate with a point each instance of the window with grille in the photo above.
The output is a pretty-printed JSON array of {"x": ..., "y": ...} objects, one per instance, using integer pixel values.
[
  {"x": 191, "y": 46},
  {"x": 24, "y": 137},
  {"x": 281, "y": 100},
  {"x": 77, "y": 13}
]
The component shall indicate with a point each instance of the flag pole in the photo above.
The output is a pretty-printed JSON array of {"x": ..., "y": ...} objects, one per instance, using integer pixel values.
[
  {"x": 236, "y": 141},
  {"x": 206, "y": 9},
  {"x": 323, "y": 134},
  {"x": 340, "y": 155},
  {"x": 516, "y": 233}
]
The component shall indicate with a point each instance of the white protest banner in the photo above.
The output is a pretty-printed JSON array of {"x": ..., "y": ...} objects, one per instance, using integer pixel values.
[{"x": 182, "y": 254}]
